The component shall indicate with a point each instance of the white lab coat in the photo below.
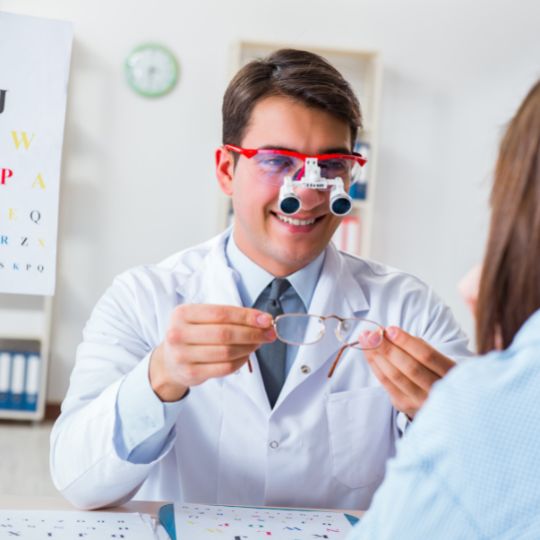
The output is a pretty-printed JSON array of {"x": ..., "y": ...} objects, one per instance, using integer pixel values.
[{"x": 325, "y": 443}]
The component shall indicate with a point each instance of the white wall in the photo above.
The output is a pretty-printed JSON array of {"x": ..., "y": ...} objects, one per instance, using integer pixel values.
[{"x": 454, "y": 72}]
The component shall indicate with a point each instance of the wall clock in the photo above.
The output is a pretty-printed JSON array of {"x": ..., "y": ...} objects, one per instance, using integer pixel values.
[{"x": 151, "y": 70}]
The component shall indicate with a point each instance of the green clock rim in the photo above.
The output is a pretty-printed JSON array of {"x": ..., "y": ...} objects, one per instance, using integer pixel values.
[{"x": 168, "y": 52}]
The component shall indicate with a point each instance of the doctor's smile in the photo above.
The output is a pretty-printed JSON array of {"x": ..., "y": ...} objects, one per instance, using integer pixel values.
[{"x": 298, "y": 224}]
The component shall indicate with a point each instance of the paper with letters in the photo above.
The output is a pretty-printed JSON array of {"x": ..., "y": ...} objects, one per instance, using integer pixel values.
[
  {"x": 72, "y": 525},
  {"x": 34, "y": 68},
  {"x": 205, "y": 522}
]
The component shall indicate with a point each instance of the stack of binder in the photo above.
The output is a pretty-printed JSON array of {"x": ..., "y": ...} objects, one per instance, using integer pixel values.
[{"x": 19, "y": 380}]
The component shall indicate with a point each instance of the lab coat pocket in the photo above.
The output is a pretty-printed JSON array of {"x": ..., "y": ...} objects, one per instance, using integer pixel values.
[{"x": 360, "y": 424}]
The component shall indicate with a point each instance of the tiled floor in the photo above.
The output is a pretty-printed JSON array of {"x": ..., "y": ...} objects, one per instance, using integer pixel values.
[{"x": 24, "y": 459}]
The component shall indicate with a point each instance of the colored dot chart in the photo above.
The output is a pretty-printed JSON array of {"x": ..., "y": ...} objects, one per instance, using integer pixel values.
[{"x": 204, "y": 522}]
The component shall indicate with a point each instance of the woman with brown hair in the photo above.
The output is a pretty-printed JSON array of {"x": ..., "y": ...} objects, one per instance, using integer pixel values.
[{"x": 469, "y": 465}]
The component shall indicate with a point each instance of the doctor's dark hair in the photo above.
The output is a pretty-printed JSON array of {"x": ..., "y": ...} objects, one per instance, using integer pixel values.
[
  {"x": 302, "y": 76},
  {"x": 510, "y": 284}
]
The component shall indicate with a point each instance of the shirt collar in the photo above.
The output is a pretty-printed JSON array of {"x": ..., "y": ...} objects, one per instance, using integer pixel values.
[{"x": 252, "y": 279}]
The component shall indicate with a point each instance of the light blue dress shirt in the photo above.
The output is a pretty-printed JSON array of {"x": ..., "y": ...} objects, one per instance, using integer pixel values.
[
  {"x": 144, "y": 424},
  {"x": 469, "y": 466}
]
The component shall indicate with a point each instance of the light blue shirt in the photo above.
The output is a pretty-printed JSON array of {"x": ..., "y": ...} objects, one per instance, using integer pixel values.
[
  {"x": 144, "y": 424},
  {"x": 469, "y": 466}
]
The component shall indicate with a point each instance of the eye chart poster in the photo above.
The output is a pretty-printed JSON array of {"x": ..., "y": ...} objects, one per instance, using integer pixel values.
[{"x": 34, "y": 70}]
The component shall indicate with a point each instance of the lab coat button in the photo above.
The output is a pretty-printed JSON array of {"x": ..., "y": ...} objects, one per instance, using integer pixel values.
[
  {"x": 274, "y": 444},
  {"x": 305, "y": 369}
]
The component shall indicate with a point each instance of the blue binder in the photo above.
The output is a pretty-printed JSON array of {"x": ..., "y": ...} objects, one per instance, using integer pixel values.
[
  {"x": 5, "y": 378},
  {"x": 18, "y": 378},
  {"x": 166, "y": 518}
]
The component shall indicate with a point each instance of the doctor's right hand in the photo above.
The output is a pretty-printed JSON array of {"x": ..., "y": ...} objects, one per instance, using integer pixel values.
[{"x": 204, "y": 341}]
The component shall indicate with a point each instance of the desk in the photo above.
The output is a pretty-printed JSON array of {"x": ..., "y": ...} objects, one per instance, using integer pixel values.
[
  {"x": 151, "y": 508},
  {"x": 15, "y": 502}
]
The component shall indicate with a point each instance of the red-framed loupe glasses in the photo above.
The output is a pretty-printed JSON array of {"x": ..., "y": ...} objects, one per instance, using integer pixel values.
[{"x": 274, "y": 164}]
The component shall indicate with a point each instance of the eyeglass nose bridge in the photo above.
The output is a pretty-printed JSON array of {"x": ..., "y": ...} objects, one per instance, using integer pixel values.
[{"x": 338, "y": 330}]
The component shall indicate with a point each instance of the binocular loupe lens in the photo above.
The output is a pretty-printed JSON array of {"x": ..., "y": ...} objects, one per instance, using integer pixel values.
[
  {"x": 289, "y": 205},
  {"x": 340, "y": 205}
]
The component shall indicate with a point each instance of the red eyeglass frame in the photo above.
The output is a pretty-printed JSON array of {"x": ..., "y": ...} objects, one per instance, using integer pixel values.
[{"x": 250, "y": 152}]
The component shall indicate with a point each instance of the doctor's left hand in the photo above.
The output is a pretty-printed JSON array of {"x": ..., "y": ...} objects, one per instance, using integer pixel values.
[{"x": 407, "y": 367}]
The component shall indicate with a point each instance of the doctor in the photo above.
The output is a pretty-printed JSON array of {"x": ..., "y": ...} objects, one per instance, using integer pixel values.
[{"x": 162, "y": 402}]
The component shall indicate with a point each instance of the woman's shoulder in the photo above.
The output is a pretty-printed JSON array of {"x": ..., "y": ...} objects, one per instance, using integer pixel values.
[
  {"x": 484, "y": 403},
  {"x": 478, "y": 431}
]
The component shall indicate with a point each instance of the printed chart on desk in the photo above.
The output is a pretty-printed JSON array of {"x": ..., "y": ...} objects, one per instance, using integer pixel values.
[
  {"x": 72, "y": 525},
  {"x": 201, "y": 522}
]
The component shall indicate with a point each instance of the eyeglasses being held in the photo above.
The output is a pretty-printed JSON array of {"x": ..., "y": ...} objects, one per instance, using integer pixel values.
[{"x": 307, "y": 329}]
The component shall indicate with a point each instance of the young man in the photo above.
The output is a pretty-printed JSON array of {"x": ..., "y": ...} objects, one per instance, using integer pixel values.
[{"x": 173, "y": 396}]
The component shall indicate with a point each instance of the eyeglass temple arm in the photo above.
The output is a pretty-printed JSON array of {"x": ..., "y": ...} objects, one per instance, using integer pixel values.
[
  {"x": 338, "y": 356},
  {"x": 341, "y": 351}
]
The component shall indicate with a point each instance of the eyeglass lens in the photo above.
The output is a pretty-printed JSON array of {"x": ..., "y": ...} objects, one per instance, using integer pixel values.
[{"x": 299, "y": 329}]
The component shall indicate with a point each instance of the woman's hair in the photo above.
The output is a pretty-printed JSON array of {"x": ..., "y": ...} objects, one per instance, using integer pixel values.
[{"x": 510, "y": 284}]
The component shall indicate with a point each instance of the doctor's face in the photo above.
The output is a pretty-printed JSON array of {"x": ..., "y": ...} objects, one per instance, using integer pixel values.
[{"x": 279, "y": 243}]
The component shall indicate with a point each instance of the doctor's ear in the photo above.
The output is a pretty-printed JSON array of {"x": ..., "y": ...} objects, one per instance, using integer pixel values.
[{"x": 225, "y": 170}]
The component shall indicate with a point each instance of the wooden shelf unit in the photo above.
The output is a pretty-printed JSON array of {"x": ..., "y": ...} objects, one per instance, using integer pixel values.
[{"x": 25, "y": 328}]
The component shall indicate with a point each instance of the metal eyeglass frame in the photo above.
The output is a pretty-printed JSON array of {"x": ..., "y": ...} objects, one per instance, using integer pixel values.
[{"x": 340, "y": 320}]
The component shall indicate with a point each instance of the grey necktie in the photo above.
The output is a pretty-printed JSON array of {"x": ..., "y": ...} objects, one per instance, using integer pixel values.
[{"x": 271, "y": 356}]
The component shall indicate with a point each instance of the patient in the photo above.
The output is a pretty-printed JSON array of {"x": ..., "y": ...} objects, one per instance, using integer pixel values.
[{"x": 469, "y": 466}]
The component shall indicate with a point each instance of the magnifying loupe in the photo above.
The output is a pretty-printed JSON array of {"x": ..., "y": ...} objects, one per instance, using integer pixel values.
[{"x": 290, "y": 203}]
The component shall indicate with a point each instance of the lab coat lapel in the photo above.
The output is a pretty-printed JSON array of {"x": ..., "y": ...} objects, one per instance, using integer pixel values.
[
  {"x": 337, "y": 293},
  {"x": 215, "y": 283}
]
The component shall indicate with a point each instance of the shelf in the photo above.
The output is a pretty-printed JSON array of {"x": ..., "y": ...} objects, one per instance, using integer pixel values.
[
  {"x": 21, "y": 325},
  {"x": 22, "y": 316},
  {"x": 24, "y": 333},
  {"x": 7, "y": 414}
]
